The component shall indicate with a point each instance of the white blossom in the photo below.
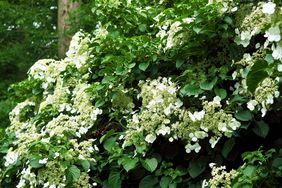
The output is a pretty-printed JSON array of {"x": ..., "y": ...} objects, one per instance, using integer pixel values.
[
  {"x": 163, "y": 130},
  {"x": 43, "y": 161},
  {"x": 268, "y": 8},
  {"x": 279, "y": 67},
  {"x": 252, "y": 104},
  {"x": 277, "y": 52},
  {"x": 150, "y": 138},
  {"x": 11, "y": 158},
  {"x": 273, "y": 34},
  {"x": 216, "y": 100},
  {"x": 213, "y": 141},
  {"x": 21, "y": 183}
]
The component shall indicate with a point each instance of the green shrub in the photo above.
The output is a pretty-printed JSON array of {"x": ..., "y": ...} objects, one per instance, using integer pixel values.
[{"x": 153, "y": 96}]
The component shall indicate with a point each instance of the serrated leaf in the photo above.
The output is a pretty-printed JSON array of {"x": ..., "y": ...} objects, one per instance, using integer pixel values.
[
  {"x": 143, "y": 66},
  {"x": 150, "y": 164},
  {"x": 129, "y": 164},
  {"x": 261, "y": 129},
  {"x": 196, "y": 167},
  {"x": 228, "y": 20},
  {"x": 99, "y": 103},
  {"x": 142, "y": 27},
  {"x": 121, "y": 70},
  {"x": 269, "y": 59},
  {"x": 109, "y": 143},
  {"x": 165, "y": 182},
  {"x": 190, "y": 90},
  {"x": 197, "y": 29},
  {"x": 107, "y": 135},
  {"x": 227, "y": 147},
  {"x": 245, "y": 115},
  {"x": 131, "y": 65},
  {"x": 277, "y": 162},
  {"x": 249, "y": 170},
  {"x": 148, "y": 182},
  {"x": 34, "y": 162},
  {"x": 179, "y": 62},
  {"x": 206, "y": 85},
  {"x": 85, "y": 164},
  {"x": 256, "y": 75},
  {"x": 221, "y": 93},
  {"x": 238, "y": 99},
  {"x": 73, "y": 173},
  {"x": 114, "y": 180}
]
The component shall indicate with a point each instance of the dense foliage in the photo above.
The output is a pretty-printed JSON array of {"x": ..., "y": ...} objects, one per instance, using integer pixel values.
[
  {"x": 160, "y": 94},
  {"x": 28, "y": 33}
]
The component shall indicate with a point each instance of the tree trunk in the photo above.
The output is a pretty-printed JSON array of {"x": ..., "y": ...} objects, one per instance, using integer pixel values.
[{"x": 65, "y": 7}]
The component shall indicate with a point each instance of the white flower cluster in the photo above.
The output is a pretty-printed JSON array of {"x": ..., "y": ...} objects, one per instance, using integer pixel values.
[
  {"x": 75, "y": 114},
  {"x": 220, "y": 177},
  {"x": 78, "y": 52},
  {"x": 264, "y": 96},
  {"x": 27, "y": 178},
  {"x": 162, "y": 114},
  {"x": 254, "y": 23},
  {"x": 11, "y": 158},
  {"x": 169, "y": 31}
]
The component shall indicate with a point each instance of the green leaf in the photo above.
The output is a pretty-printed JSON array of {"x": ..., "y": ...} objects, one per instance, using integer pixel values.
[
  {"x": 99, "y": 103},
  {"x": 109, "y": 144},
  {"x": 34, "y": 162},
  {"x": 114, "y": 179},
  {"x": 238, "y": 99},
  {"x": 197, "y": 29},
  {"x": 250, "y": 170},
  {"x": 179, "y": 62},
  {"x": 148, "y": 182},
  {"x": 107, "y": 135},
  {"x": 227, "y": 147},
  {"x": 142, "y": 27},
  {"x": 269, "y": 59},
  {"x": 129, "y": 164},
  {"x": 190, "y": 90},
  {"x": 205, "y": 85},
  {"x": 143, "y": 66},
  {"x": 196, "y": 167},
  {"x": 85, "y": 164},
  {"x": 228, "y": 20},
  {"x": 73, "y": 173},
  {"x": 244, "y": 115},
  {"x": 131, "y": 65},
  {"x": 277, "y": 162},
  {"x": 221, "y": 93},
  {"x": 261, "y": 129},
  {"x": 165, "y": 182},
  {"x": 256, "y": 75},
  {"x": 121, "y": 70},
  {"x": 150, "y": 164}
]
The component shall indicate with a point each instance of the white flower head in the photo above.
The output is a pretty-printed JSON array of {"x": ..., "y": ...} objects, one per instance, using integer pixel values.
[
  {"x": 243, "y": 38},
  {"x": 163, "y": 130},
  {"x": 11, "y": 158},
  {"x": 150, "y": 138},
  {"x": 213, "y": 141},
  {"x": 268, "y": 8},
  {"x": 216, "y": 100},
  {"x": 252, "y": 104},
  {"x": 273, "y": 34},
  {"x": 21, "y": 183},
  {"x": 263, "y": 112},
  {"x": 279, "y": 67},
  {"x": 277, "y": 52},
  {"x": 43, "y": 161}
]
